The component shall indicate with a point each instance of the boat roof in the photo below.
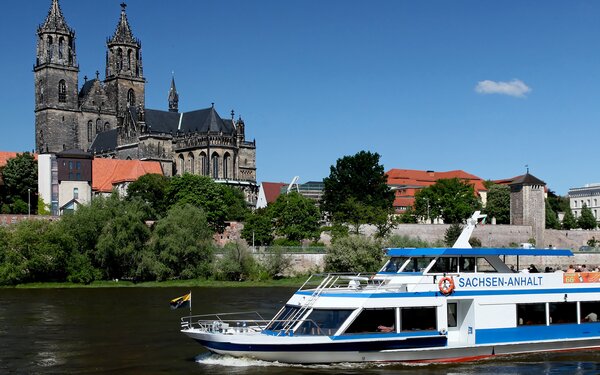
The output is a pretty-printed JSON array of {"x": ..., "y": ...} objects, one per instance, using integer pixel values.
[{"x": 449, "y": 251}]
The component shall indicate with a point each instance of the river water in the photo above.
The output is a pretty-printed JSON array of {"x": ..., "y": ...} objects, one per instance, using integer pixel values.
[{"x": 133, "y": 331}]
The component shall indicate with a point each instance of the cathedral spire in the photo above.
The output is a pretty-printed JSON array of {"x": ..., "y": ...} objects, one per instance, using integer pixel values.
[
  {"x": 173, "y": 96},
  {"x": 123, "y": 34},
  {"x": 55, "y": 21}
]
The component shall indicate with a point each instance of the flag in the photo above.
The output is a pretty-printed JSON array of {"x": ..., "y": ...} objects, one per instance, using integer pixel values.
[{"x": 182, "y": 301}]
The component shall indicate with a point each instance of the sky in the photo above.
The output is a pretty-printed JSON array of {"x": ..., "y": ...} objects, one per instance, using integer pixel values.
[{"x": 488, "y": 87}]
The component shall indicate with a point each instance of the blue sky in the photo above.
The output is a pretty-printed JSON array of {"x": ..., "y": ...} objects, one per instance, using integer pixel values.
[{"x": 483, "y": 86}]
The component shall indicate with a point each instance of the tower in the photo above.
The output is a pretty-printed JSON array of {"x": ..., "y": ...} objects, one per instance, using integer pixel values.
[
  {"x": 528, "y": 204},
  {"x": 56, "y": 84},
  {"x": 125, "y": 82},
  {"x": 173, "y": 97}
]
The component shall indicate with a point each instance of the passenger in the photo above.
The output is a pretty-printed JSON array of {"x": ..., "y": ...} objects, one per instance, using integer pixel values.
[
  {"x": 591, "y": 317},
  {"x": 583, "y": 268},
  {"x": 532, "y": 269},
  {"x": 548, "y": 269},
  {"x": 512, "y": 268},
  {"x": 571, "y": 269},
  {"x": 385, "y": 329}
]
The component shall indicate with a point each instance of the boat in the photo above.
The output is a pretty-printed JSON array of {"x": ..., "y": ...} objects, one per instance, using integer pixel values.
[{"x": 424, "y": 304}]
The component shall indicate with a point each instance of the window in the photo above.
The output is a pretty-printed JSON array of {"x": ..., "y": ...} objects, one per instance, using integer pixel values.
[
  {"x": 418, "y": 264},
  {"x": 90, "y": 130},
  {"x": 204, "y": 164},
  {"x": 589, "y": 311},
  {"x": 215, "y": 166},
  {"x": 191, "y": 163},
  {"x": 119, "y": 60},
  {"x": 563, "y": 312},
  {"x": 49, "y": 47},
  {"x": 130, "y": 98},
  {"x": 129, "y": 60},
  {"x": 418, "y": 318},
  {"x": 181, "y": 165},
  {"x": 61, "y": 42},
  {"x": 443, "y": 265},
  {"x": 225, "y": 166},
  {"x": 394, "y": 264},
  {"x": 467, "y": 264},
  {"x": 575, "y": 204},
  {"x": 369, "y": 321},
  {"x": 62, "y": 91},
  {"x": 279, "y": 320},
  {"x": 98, "y": 126},
  {"x": 75, "y": 193},
  {"x": 452, "y": 310},
  {"x": 531, "y": 314},
  {"x": 323, "y": 322},
  {"x": 78, "y": 165},
  {"x": 106, "y": 126}
]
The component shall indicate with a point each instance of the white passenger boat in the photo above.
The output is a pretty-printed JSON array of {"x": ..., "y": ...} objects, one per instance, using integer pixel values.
[{"x": 431, "y": 304}]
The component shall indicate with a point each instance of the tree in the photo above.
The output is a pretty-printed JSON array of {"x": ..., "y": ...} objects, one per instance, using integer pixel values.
[
  {"x": 258, "y": 228},
  {"x": 235, "y": 202},
  {"x": 408, "y": 216},
  {"x": 354, "y": 254},
  {"x": 361, "y": 178},
  {"x": 182, "y": 242},
  {"x": 295, "y": 216},
  {"x": 237, "y": 263},
  {"x": 498, "y": 203},
  {"x": 587, "y": 219},
  {"x": 150, "y": 188},
  {"x": 451, "y": 199},
  {"x": 551, "y": 217},
  {"x": 569, "y": 221},
  {"x": 452, "y": 234},
  {"x": 20, "y": 183}
]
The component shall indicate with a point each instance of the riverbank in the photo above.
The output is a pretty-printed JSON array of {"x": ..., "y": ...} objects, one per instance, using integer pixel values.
[{"x": 285, "y": 282}]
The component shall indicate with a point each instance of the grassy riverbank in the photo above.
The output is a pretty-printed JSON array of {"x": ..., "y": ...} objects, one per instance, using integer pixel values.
[{"x": 286, "y": 282}]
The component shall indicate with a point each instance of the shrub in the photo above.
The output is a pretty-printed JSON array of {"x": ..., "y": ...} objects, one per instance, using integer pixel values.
[{"x": 354, "y": 254}]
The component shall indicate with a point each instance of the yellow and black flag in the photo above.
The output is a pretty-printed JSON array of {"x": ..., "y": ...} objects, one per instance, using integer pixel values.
[{"x": 183, "y": 301}]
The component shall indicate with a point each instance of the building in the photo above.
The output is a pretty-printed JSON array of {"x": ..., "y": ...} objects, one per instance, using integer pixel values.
[
  {"x": 407, "y": 182},
  {"x": 268, "y": 193},
  {"x": 112, "y": 175},
  {"x": 109, "y": 117},
  {"x": 588, "y": 195},
  {"x": 528, "y": 204}
]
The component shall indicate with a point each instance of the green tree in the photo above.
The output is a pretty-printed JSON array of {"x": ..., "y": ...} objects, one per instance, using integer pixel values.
[
  {"x": 295, "y": 216},
  {"x": 237, "y": 263},
  {"x": 20, "y": 183},
  {"x": 354, "y": 254},
  {"x": 406, "y": 241},
  {"x": 452, "y": 234},
  {"x": 451, "y": 199},
  {"x": 258, "y": 228},
  {"x": 587, "y": 219},
  {"x": 551, "y": 217},
  {"x": 408, "y": 216},
  {"x": 569, "y": 221},
  {"x": 150, "y": 188},
  {"x": 202, "y": 192},
  {"x": 235, "y": 201},
  {"x": 182, "y": 242},
  {"x": 359, "y": 179},
  {"x": 498, "y": 203}
]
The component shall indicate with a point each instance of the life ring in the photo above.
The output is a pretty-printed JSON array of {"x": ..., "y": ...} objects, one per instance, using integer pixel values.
[{"x": 446, "y": 285}]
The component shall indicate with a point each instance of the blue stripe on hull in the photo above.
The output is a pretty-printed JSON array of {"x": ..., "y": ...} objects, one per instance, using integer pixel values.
[
  {"x": 538, "y": 333},
  {"x": 358, "y": 346}
]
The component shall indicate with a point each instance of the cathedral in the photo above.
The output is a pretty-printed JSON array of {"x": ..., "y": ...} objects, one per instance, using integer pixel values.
[{"x": 109, "y": 117}]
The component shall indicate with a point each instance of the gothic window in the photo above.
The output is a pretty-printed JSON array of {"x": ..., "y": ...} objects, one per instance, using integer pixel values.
[
  {"x": 190, "y": 163},
  {"x": 49, "y": 48},
  {"x": 106, "y": 126},
  {"x": 204, "y": 165},
  {"x": 226, "y": 159},
  {"x": 61, "y": 43},
  {"x": 181, "y": 164},
  {"x": 137, "y": 65},
  {"x": 130, "y": 98},
  {"x": 98, "y": 126},
  {"x": 70, "y": 51},
  {"x": 119, "y": 60},
  {"x": 62, "y": 91},
  {"x": 75, "y": 193},
  {"x": 129, "y": 55},
  {"x": 215, "y": 166},
  {"x": 90, "y": 130}
]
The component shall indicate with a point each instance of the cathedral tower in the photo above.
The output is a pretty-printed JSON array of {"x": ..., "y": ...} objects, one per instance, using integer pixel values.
[
  {"x": 56, "y": 85},
  {"x": 173, "y": 97},
  {"x": 125, "y": 82}
]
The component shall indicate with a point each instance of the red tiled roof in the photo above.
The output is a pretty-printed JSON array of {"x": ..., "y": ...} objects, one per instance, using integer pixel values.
[
  {"x": 5, "y": 155},
  {"x": 272, "y": 190},
  {"x": 108, "y": 172},
  {"x": 418, "y": 178}
]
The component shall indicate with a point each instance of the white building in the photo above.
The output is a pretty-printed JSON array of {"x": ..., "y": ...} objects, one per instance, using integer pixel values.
[{"x": 588, "y": 195}]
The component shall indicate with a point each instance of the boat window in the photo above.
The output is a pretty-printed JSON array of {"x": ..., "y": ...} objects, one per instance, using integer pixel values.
[
  {"x": 323, "y": 322},
  {"x": 394, "y": 264},
  {"x": 467, "y": 264},
  {"x": 531, "y": 314},
  {"x": 484, "y": 266},
  {"x": 279, "y": 321},
  {"x": 418, "y": 318},
  {"x": 418, "y": 264},
  {"x": 373, "y": 321},
  {"x": 452, "y": 309},
  {"x": 444, "y": 264},
  {"x": 589, "y": 311},
  {"x": 563, "y": 312}
]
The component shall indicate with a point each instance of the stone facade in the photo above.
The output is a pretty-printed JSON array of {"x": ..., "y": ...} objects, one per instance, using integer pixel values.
[
  {"x": 528, "y": 204},
  {"x": 109, "y": 117}
]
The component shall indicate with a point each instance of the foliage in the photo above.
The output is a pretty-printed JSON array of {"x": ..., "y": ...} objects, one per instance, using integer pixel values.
[
  {"x": 235, "y": 202},
  {"x": 356, "y": 182},
  {"x": 406, "y": 241},
  {"x": 593, "y": 242},
  {"x": 295, "y": 217},
  {"x": 237, "y": 263},
  {"x": 408, "y": 216},
  {"x": 558, "y": 203},
  {"x": 258, "y": 228},
  {"x": 276, "y": 263},
  {"x": 182, "y": 245},
  {"x": 551, "y": 218},
  {"x": 20, "y": 182},
  {"x": 569, "y": 221},
  {"x": 384, "y": 220},
  {"x": 474, "y": 242},
  {"x": 43, "y": 208},
  {"x": 498, "y": 203},
  {"x": 150, "y": 188},
  {"x": 452, "y": 234},
  {"x": 587, "y": 219},
  {"x": 451, "y": 199},
  {"x": 354, "y": 254}
]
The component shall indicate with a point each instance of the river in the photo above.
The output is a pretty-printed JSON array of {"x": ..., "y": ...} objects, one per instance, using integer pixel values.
[{"x": 133, "y": 331}]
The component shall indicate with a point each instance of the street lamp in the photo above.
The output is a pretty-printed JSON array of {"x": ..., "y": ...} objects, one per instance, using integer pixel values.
[{"x": 28, "y": 203}]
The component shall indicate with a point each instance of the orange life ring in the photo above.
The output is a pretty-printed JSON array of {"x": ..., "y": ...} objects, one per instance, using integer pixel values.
[{"x": 446, "y": 285}]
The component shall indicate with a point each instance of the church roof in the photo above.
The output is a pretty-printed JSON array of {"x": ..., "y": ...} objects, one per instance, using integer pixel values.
[
  {"x": 105, "y": 141},
  {"x": 108, "y": 172},
  {"x": 527, "y": 179},
  {"x": 123, "y": 34},
  {"x": 86, "y": 88},
  {"x": 206, "y": 120},
  {"x": 173, "y": 95},
  {"x": 55, "y": 21}
]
